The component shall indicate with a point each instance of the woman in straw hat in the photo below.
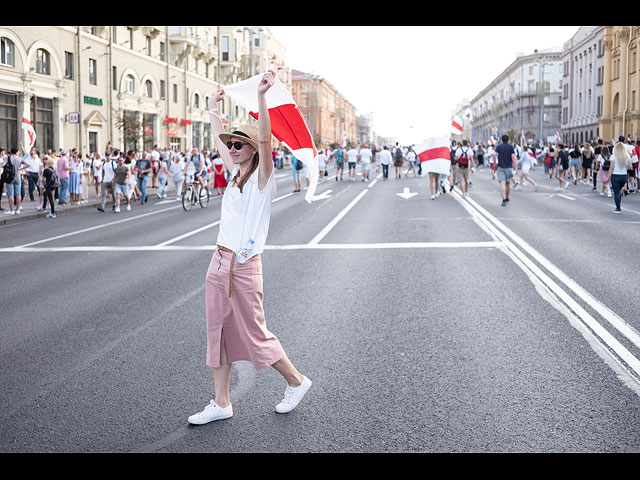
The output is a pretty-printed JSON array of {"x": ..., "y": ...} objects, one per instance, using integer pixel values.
[{"x": 236, "y": 328}]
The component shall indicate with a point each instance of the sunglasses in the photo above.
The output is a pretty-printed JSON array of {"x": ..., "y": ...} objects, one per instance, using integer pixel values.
[{"x": 236, "y": 145}]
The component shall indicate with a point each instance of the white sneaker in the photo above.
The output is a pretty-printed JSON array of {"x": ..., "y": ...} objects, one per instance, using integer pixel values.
[
  {"x": 210, "y": 413},
  {"x": 9, "y": 212},
  {"x": 117, "y": 210},
  {"x": 128, "y": 207},
  {"x": 293, "y": 395}
]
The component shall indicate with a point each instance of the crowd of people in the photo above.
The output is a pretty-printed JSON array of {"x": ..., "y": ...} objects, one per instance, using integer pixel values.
[
  {"x": 610, "y": 168},
  {"x": 66, "y": 177}
]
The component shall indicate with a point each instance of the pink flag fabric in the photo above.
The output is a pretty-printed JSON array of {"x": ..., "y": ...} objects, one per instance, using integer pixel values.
[
  {"x": 287, "y": 122},
  {"x": 434, "y": 155}
]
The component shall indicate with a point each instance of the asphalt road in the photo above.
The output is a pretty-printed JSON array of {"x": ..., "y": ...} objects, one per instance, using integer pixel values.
[{"x": 446, "y": 325}]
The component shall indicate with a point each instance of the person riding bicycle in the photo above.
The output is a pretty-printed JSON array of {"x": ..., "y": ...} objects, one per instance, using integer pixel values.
[{"x": 197, "y": 161}]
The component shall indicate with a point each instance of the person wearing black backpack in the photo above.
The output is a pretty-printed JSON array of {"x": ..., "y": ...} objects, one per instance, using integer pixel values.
[
  {"x": 50, "y": 181},
  {"x": 12, "y": 179}
]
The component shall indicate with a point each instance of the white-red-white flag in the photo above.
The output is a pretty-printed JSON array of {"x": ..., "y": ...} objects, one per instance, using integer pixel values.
[
  {"x": 434, "y": 155},
  {"x": 30, "y": 133},
  {"x": 492, "y": 141},
  {"x": 456, "y": 126},
  {"x": 287, "y": 122}
]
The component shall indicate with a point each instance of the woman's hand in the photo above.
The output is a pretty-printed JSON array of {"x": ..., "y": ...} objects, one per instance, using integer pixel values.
[
  {"x": 215, "y": 98},
  {"x": 266, "y": 83}
]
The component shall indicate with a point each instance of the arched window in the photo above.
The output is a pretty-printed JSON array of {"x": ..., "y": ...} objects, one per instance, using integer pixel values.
[
  {"x": 148, "y": 88},
  {"x": 43, "y": 62},
  {"x": 196, "y": 101},
  {"x": 7, "y": 52},
  {"x": 129, "y": 84}
]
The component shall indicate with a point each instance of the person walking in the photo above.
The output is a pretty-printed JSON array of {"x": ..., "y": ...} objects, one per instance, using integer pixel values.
[
  {"x": 464, "y": 160},
  {"x": 526, "y": 162},
  {"x": 385, "y": 160},
  {"x": 143, "y": 167},
  {"x": 122, "y": 178},
  {"x": 588, "y": 156},
  {"x": 507, "y": 163},
  {"x": 236, "y": 327},
  {"x": 49, "y": 181},
  {"x": 338, "y": 155},
  {"x": 398, "y": 160},
  {"x": 107, "y": 175},
  {"x": 219, "y": 175},
  {"x": 620, "y": 165},
  {"x": 603, "y": 165},
  {"x": 365, "y": 155}
]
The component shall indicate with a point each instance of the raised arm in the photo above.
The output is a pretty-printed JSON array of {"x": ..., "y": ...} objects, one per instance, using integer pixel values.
[
  {"x": 217, "y": 129},
  {"x": 264, "y": 131}
]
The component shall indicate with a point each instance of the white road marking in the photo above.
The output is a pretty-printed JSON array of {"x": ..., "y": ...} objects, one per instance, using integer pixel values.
[{"x": 625, "y": 359}]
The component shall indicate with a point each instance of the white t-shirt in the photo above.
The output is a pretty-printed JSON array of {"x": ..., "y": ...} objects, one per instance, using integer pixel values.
[
  {"x": 352, "y": 155},
  {"x": 365, "y": 155},
  {"x": 385, "y": 157},
  {"x": 246, "y": 215},
  {"x": 108, "y": 167},
  {"x": 616, "y": 169}
]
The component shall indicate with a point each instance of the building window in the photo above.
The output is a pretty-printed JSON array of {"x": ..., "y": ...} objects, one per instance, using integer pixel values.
[
  {"x": 162, "y": 89},
  {"x": 129, "y": 84},
  {"x": 175, "y": 93},
  {"x": 148, "y": 40},
  {"x": 93, "y": 71},
  {"x": 42, "y": 115},
  {"x": 43, "y": 62},
  {"x": 148, "y": 88},
  {"x": 130, "y": 34},
  {"x": 114, "y": 77},
  {"x": 8, "y": 120},
  {"x": 225, "y": 48},
  {"x": 7, "y": 53},
  {"x": 68, "y": 65},
  {"x": 162, "y": 51}
]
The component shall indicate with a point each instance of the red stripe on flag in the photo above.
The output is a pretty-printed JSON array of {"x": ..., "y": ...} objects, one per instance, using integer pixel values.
[
  {"x": 288, "y": 126},
  {"x": 457, "y": 125},
  {"x": 432, "y": 154}
]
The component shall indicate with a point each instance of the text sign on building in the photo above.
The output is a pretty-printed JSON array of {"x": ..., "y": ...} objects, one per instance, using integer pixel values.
[{"x": 92, "y": 100}]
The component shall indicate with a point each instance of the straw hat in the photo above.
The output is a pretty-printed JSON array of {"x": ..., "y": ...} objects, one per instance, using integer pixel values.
[{"x": 249, "y": 132}]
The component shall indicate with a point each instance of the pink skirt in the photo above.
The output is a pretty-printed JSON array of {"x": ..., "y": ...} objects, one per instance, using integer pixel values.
[{"x": 236, "y": 328}]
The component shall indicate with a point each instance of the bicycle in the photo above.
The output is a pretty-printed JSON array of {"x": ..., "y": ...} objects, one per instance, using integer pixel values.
[{"x": 192, "y": 195}]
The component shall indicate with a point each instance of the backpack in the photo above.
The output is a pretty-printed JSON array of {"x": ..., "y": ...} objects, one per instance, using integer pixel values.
[
  {"x": 299, "y": 165},
  {"x": 54, "y": 181},
  {"x": 463, "y": 161},
  {"x": 606, "y": 164},
  {"x": 399, "y": 155},
  {"x": 9, "y": 173}
]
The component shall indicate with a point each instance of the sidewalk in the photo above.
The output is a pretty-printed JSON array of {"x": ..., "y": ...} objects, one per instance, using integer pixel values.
[{"x": 29, "y": 211}]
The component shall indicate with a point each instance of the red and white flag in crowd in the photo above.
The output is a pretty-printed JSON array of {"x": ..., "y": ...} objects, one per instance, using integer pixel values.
[
  {"x": 30, "y": 133},
  {"x": 492, "y": 141},
  {"x": 558, "y": 139},
  {"x": 434, "y": 155},
  {"x": 287, "y": 122},
  {"x": 522, "y": 138},
  {"x": 456, "y": 126}
]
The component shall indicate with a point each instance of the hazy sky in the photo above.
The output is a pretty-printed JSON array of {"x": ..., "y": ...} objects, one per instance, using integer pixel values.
[{"x": 412, "y": 77}]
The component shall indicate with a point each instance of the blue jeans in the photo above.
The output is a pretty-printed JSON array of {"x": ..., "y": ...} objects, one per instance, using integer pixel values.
[
  {"x": 142, "y": 186},
  {"x": 617, "y": 182},
  {"x": 163, "y": 185},
  {"x": 64, "y": 190}
]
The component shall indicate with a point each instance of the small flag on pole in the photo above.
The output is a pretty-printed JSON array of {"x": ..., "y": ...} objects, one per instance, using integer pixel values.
[{"x": 456, "y": 126}]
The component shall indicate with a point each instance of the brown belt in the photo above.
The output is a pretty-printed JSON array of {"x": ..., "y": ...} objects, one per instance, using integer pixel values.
[{"x": 233, "y": 257}]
